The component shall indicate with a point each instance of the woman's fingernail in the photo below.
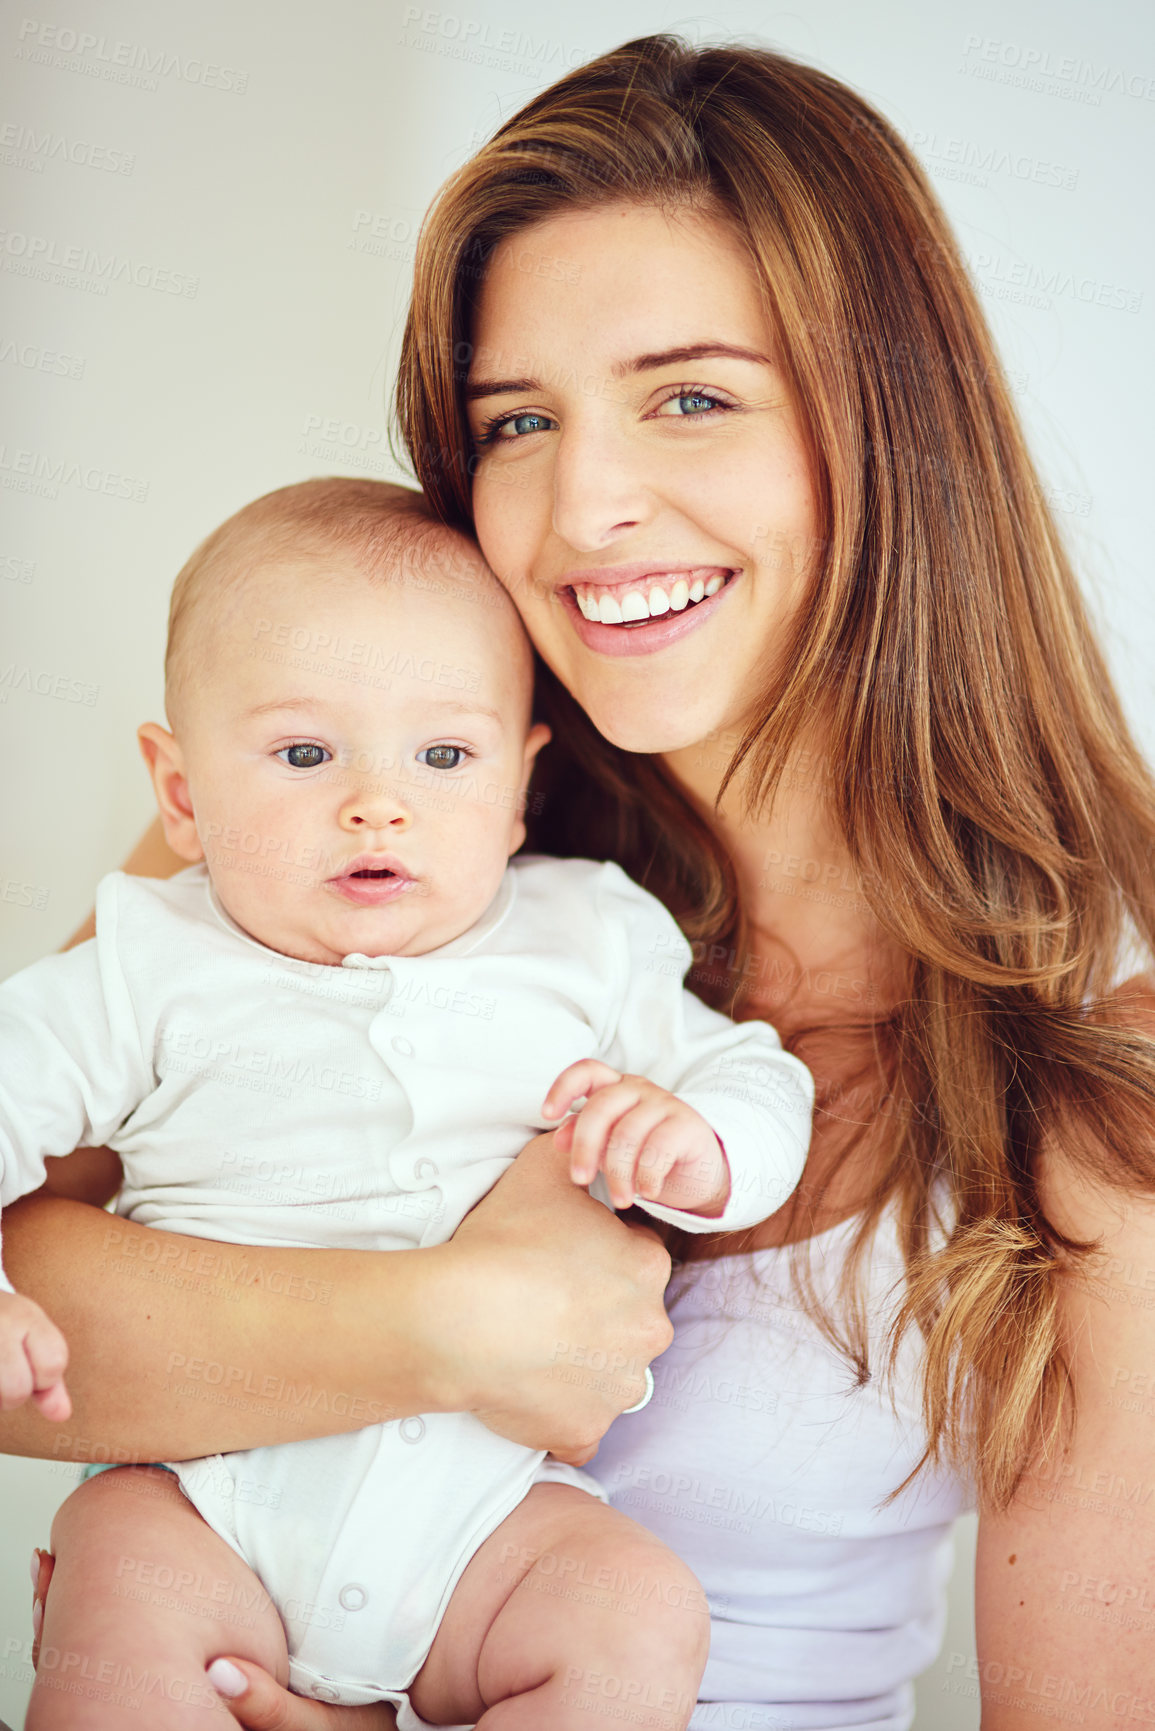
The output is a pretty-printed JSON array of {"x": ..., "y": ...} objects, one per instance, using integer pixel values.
[
  {"x": 37, "y": 1616},
  {"x": 226, "y": 1679},
  {"x": 36, "y": 1568}
]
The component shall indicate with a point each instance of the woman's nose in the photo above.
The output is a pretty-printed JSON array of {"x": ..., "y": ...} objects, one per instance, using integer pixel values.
[
  {"x": 377, "y": 808},
  {"x": 601, "y": 487}
]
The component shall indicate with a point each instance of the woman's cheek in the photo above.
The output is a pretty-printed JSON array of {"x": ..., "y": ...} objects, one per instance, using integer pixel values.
[{"x": 507, "y": 515}]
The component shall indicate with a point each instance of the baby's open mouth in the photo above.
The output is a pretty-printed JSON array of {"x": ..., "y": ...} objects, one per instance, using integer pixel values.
[
  {"x": 369, "y": 882},
  {"x": 653, "y": 598}
]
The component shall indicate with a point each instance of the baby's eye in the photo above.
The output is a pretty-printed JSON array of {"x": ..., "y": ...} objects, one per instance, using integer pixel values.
[
  {"x": 442, "y": 756},
  {"x": 304, "y": 756}
]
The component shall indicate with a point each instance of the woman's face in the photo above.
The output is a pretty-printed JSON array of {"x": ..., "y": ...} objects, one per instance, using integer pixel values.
[{"x": 636, "y": 450}]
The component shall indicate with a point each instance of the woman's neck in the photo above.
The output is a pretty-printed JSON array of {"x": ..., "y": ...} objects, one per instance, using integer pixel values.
[
  {"x": 821, "y": 970},
  {"x": 818, "y": 955}
]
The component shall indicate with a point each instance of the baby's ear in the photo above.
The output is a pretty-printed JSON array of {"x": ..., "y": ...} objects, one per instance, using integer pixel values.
[
  {"x": 538, "y": 735},
  {"x": 165, "y": 762}
]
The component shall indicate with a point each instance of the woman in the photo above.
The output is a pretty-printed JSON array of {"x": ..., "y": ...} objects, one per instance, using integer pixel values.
[{"x": 692, "y": 349}]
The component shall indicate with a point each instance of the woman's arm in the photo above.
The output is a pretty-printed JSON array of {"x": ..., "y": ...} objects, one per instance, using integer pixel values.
[
  {"x": 1065, "y": 1581},
  {"x": 182, "y": 1346}
]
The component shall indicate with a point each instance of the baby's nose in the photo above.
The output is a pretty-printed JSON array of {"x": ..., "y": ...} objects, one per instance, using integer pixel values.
[{"x": 375, "y": 808}]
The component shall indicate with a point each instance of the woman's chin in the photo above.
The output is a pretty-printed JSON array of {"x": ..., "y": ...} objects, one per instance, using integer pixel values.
[{"x": 648, "y": 729}]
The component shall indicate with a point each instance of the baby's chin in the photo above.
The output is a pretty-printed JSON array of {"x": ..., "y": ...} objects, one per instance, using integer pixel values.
[
  {"x": 321, "y": 927},
  {"x": 326, "y": 943},
  {"x": 320, "y": 941}
]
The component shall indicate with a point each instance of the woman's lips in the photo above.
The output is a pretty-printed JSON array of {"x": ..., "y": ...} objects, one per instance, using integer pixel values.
[{"x": 647, "y": 635}]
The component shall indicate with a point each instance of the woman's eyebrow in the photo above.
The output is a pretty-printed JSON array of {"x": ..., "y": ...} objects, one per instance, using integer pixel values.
[
  {"x": 640, "y": 364},
  {"x": 498, "y": 387},
  {"x": 688, "y": 352}
]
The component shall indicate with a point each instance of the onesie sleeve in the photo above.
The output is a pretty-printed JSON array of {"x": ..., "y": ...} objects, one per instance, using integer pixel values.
[
  {"x": 758, "y": 1099},
  {"x": 71, "y": 1064}
]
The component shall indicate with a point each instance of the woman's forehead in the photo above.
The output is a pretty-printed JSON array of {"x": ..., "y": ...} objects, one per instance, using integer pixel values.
[{"x": 630, "y": 278}]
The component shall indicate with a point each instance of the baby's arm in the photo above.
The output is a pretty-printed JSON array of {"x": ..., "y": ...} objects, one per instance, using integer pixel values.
[
  {"x": 731, "y": 1079},
  {"x": 69, "y": 1075}
]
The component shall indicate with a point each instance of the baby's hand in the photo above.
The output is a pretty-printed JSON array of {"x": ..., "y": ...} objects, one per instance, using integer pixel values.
[
  {"x": 650, "y": 1145},
  {"x": 33, "y": 1354}
]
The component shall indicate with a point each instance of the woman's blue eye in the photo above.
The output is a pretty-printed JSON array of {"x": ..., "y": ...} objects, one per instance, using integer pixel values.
[
  {"x": 513, "y": 427},
  {"x": 442, "y": 756},
  {"x": 695, "y": 402},
  {"x": 303, "y": 756}
]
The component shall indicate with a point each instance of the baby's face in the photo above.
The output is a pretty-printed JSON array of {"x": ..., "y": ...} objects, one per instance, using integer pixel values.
[{"x": 357, "y": 762}]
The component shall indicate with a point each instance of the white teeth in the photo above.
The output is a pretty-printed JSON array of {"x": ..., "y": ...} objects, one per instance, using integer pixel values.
[{"x": 668, "y": 594}]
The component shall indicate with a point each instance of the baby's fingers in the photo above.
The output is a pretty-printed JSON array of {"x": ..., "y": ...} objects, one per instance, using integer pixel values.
[
  {"x": 54, "y": 1403},
  {"x": 47, "y": 1350},
  {"x": 47, "y": 1353},
  {"x": 576, "y": 1080},
  {"x": 626, "y": 1148},
  {"x": 592, "y": 1129},
  {"x": 689, "y": 1155},
  {"x": 660, "y": 1153},
  {"x": 33, "y": 1356},
  {"x": 563, "y": 1135},
  {"x": 16, "y": 1379}
]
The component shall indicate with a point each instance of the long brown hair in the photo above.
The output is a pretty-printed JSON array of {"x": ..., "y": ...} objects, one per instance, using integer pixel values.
[{"x": 981, "y": 769}]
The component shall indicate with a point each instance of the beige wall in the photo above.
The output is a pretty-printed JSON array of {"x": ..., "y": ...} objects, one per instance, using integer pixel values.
[{"x": 202, "y": 289}]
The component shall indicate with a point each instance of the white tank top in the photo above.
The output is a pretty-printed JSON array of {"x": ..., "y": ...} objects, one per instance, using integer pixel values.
[{"x": 761, "y": 1464}]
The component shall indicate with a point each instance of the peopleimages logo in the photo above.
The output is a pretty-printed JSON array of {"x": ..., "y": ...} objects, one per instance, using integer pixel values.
[
  {"x": 1067, "y": 75},
  {"x": 115, "y": 62},
  {"x": 42, "y": 474},
  {"x": 24, "y": 147},
  {"x": 477, "y": 40},
  {"x": 79, "y": 266}
]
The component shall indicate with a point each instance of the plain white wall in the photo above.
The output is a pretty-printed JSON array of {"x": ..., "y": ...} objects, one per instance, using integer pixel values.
[{"x": 209, "y": 221}]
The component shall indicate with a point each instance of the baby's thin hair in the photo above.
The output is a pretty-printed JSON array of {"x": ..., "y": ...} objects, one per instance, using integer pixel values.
[{"x": 385, "y": 529}]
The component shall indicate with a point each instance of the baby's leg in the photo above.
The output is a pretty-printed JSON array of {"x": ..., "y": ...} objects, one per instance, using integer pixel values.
[
  {"x": 144, "y": 1596},
  {"x": 568, "y": 1608}
]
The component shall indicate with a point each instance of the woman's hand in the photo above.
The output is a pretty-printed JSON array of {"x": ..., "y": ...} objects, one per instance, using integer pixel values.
[
  {"x": 262, "y": 1704},
  {"x": 551, "y": 1308}
]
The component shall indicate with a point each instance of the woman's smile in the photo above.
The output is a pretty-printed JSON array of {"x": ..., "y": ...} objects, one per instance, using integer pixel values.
[
  {"x": 627, "y": 611},
  {"x": 640, "y": 479}
]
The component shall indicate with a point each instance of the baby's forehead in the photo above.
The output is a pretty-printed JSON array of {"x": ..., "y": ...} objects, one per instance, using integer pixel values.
[
  {"x": 428, "y": 616},
  {"x": 445, "y": 585}
]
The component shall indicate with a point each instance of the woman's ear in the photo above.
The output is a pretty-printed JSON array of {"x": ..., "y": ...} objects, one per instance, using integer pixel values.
[
  {"x": 538, "y": 735},
  {"x": 165, "y": 762}
]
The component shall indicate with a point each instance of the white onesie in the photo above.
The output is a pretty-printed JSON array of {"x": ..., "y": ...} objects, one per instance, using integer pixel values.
[{"x": 255, "y": 1099}]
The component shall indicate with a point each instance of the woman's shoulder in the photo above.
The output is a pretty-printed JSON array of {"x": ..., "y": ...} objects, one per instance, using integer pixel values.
[{"x": 1088, "y": 1208}]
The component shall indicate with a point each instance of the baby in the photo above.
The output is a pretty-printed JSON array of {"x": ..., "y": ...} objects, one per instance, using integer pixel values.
[{"x": 339, "y": 1027}]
